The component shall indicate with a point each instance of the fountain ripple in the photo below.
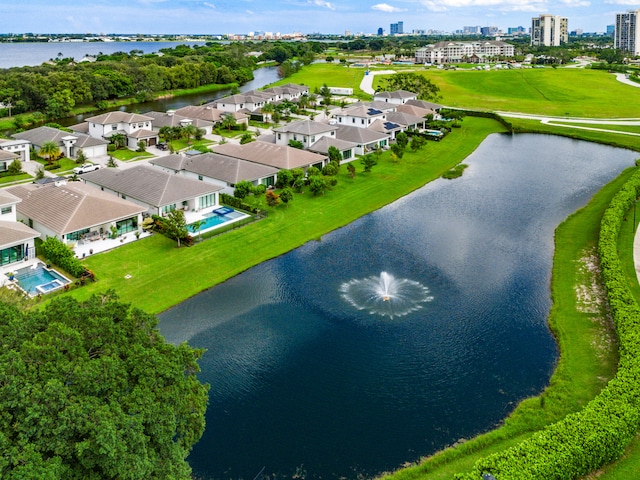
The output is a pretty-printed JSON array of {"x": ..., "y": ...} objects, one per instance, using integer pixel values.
[{"x": 385, "y": 295}]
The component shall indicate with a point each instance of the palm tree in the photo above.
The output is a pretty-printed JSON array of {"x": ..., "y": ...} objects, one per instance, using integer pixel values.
[
  {"x": 189, "y": 131},
  {"x": 267, "y": 110},
  {"x": 228, "y": 121},
  {"x": 119, "y": 140},
  {"x": 49, "y": 150}
]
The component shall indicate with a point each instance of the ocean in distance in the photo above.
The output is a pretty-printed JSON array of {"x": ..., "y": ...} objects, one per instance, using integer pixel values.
[{"x": 33, "y": 54}]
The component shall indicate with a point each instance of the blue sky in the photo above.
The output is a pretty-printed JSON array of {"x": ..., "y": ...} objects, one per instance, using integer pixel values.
[{"x": 284, "y": 16}]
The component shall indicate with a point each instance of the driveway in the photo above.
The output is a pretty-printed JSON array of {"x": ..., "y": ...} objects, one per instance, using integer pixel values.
[{"x": 366, "y": 85}]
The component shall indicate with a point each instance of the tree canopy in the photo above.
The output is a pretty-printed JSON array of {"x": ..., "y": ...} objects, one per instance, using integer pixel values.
[
  {"x": 413, "y": 82},
  {"x": 91, "y": 390}
]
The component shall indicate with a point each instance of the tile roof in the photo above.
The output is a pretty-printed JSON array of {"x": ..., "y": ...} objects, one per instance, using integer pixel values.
[
  {"x": 403, "y": 118},
  {"x": 6, "y": 155},
  {"x": 7, "y": 198},
  {"x": 323, "y": 144},
  {"x": 424, "y": 104},
  {"x": 278, "y": 156},
  {"x": 228, "y": 169},
  {"x": 400, "y": 94},
  {"x": 306, "y": 127},
  {"x": 66, "y": 208},
  {"x": 118, "y": 117},
  {"x": 161, "y": 119},
  {"x": 361, "y": 136},
  {"x": 150, "y": 185},
  {"x": 38, "y": 136},
  {"x": 12, "y": 233}
]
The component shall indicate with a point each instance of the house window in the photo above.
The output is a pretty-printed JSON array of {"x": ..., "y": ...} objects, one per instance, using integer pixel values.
[
  {"x": 127, "y": 225},
  {"x": 279, "y": 136},
  {"x": 167, "y": 208},
  {"x": 75, "y": 236},
  {"x": 353, "y": 120},
  {"x": 207, "y": 200},
  {"x": 11, "y": 254},
  {"x": 114, "y": 128},
  {"x": 6, "y": 210},
  {"x": 313, "y": 139},
  {"x": 346, "y": 154},
  {"x": 124, "y": 197},
  {"x": 199, "y": 177},
  {"x": 362, "y": 121}
]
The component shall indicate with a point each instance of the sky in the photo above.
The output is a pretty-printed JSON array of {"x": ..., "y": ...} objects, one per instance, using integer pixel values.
[{"x": 286, "y": 16}]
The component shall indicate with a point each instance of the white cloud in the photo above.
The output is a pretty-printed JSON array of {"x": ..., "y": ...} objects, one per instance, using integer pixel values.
[
  {"x": 322, "y": 3},
  {"x": 576, "y": 3},
  {"x": 441, "y": 5},
  {"x": 384, "y": 7},
  {"x": 210, "y": 5},
  {"x": 622, "y": 2}
]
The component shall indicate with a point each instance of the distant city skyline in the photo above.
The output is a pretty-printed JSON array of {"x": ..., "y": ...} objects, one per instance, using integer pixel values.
[{"x": 306, "y": 16}]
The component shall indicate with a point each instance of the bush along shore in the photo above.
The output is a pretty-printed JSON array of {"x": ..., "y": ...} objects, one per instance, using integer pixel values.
[{"x": 586, "y": 440}]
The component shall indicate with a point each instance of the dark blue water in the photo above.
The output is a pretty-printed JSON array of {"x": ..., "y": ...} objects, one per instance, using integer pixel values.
[{"x": 307, "y": 386}]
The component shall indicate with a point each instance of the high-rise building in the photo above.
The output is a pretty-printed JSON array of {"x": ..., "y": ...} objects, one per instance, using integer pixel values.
[
  {"x": 611, "y": 30},
  {"x": 627, "y": 34},
  {"x": 396, "y": 28},
  {"x": 549, "y": 30},
  {"x": 380, "y": 31},
  {"x": 489, "y": 31}
]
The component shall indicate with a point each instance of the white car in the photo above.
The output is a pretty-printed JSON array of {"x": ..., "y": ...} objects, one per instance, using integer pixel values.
[{"x": 84, "y": 168}]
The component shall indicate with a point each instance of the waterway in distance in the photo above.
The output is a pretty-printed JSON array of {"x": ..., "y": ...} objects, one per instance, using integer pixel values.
[{"x": 305, "y": 383}]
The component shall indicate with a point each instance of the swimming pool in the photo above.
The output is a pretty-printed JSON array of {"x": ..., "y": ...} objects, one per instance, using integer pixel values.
[
  {"x": 39, "y": 279},
  {"x": 216, "y": 218}
]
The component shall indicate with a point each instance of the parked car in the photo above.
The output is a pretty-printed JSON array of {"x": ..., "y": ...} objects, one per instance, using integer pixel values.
[
  {"x": 162, "y": 146},
  {"x": 86, "y": 167}
]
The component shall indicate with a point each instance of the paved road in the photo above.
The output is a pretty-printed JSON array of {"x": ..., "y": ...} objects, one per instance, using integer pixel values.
[{"x": 366, "y": 85}]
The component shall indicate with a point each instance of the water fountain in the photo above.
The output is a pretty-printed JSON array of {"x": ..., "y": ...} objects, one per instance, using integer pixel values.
[{"x": 385, "y": 295}]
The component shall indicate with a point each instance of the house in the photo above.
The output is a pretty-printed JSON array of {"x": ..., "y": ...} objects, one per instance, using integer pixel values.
[
  {"x": 133, "y": 126},
  {"x": 201, "y": 112},
  {"x": 417, "y": 111},
  {"x": 72, "y": 211},
  {"x": 407, "y": 121},
  {"x": 16, "y": 239},
  {"x": 277, "y": 156},
  {"x": 172, "y": 119},
  {"x": 462, "y": 51},
  {"x": 19, "y": 147},
  {"x": 6, "y": 159},
  {"x": 361, "y": 116},
  {"x": 69, "y": 143},
  {"x": 217, "y": 169},
  {"x": 306, "y": 132},
  {"x": 366, "y": 140},
  {"x": 397, "y": 97},
  {"x": 346, "y": 149},
  {"x": 157, "y": 191}
]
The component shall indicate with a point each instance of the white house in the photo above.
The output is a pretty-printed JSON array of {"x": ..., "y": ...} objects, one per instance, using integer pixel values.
[
  {"x": 460, "y": 51},
  {"x": 397, "y": 97},
  {"x": 133, "y": 126},
  {"x": 361, "y": 116},
  {"x": 16, "y": 238},
  {"x": 69, "y": 143},
  {"x": 172, "y": 119},
  {"x": 72, "y": 211},
  {"x": 216, "y": 169},
  {"x": 18, "y": 147},
  {"x": 307, "y": 132},
  {"x": 156, "y": 190}
]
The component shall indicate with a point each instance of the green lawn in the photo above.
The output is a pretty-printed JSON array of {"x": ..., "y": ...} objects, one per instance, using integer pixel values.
[
  {"x": 545, "y": 91},
  {"x": 334, "y": 75},
  {"x": 162, "y": 275},
  {"x": 126, "y": 155}
]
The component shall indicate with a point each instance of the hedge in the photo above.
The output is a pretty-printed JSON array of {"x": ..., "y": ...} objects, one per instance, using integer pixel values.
[{"x": 585, "y": 441}]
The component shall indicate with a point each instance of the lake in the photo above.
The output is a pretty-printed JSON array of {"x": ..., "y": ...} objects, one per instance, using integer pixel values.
[
  {"x": 33, "y": 54},
  {"x": 321, "y": 366}
]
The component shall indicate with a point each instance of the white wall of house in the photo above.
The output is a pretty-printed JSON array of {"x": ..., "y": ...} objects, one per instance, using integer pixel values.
[
  {"x": 18, "y": 147},
  {"x": 97, "y": 130},
  {"x": 8, "y": 213},
  {"x": 362, "y": 122},
  {"x": 283, "y": 138},
  {"x": 210, "y": 180}
]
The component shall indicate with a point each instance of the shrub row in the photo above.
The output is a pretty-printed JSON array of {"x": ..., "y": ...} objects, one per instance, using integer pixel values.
[
  {"x": 584, "y": 441},
  {"x": 59, "y": 254},
  {"x": 235, "y": 202},
  {"x": 493, "y": 115}
]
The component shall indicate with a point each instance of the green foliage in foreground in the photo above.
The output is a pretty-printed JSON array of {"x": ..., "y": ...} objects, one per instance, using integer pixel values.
[
  {"x": 455, "y": 172},
  {"x": 91, "y": 390},
  {"x": 598, "y": 434}
]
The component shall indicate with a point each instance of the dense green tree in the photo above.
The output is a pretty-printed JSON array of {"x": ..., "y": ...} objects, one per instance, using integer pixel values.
[
  {"x": 119, "y": 140},
  {"x": 15, "y": 167},
  {"x": 91, "y": 390},
  {"x": 175, "y": 226},
  {"x": 368, "y": 161},
  {"x": 413, "y": 82},
  {"x": 243, "y": 189},
  {"x": 402, "y": 139},
  {"x": 351, "y": 169},
  {"x": 334, "y": 154},
  {"x": 189, "y": 131},
  {"x": 296, "y": 144},
  {"x": 286, "y": 195},
  {"x": 284, "y": 178},
  {"x": 246, "y": 138}
]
